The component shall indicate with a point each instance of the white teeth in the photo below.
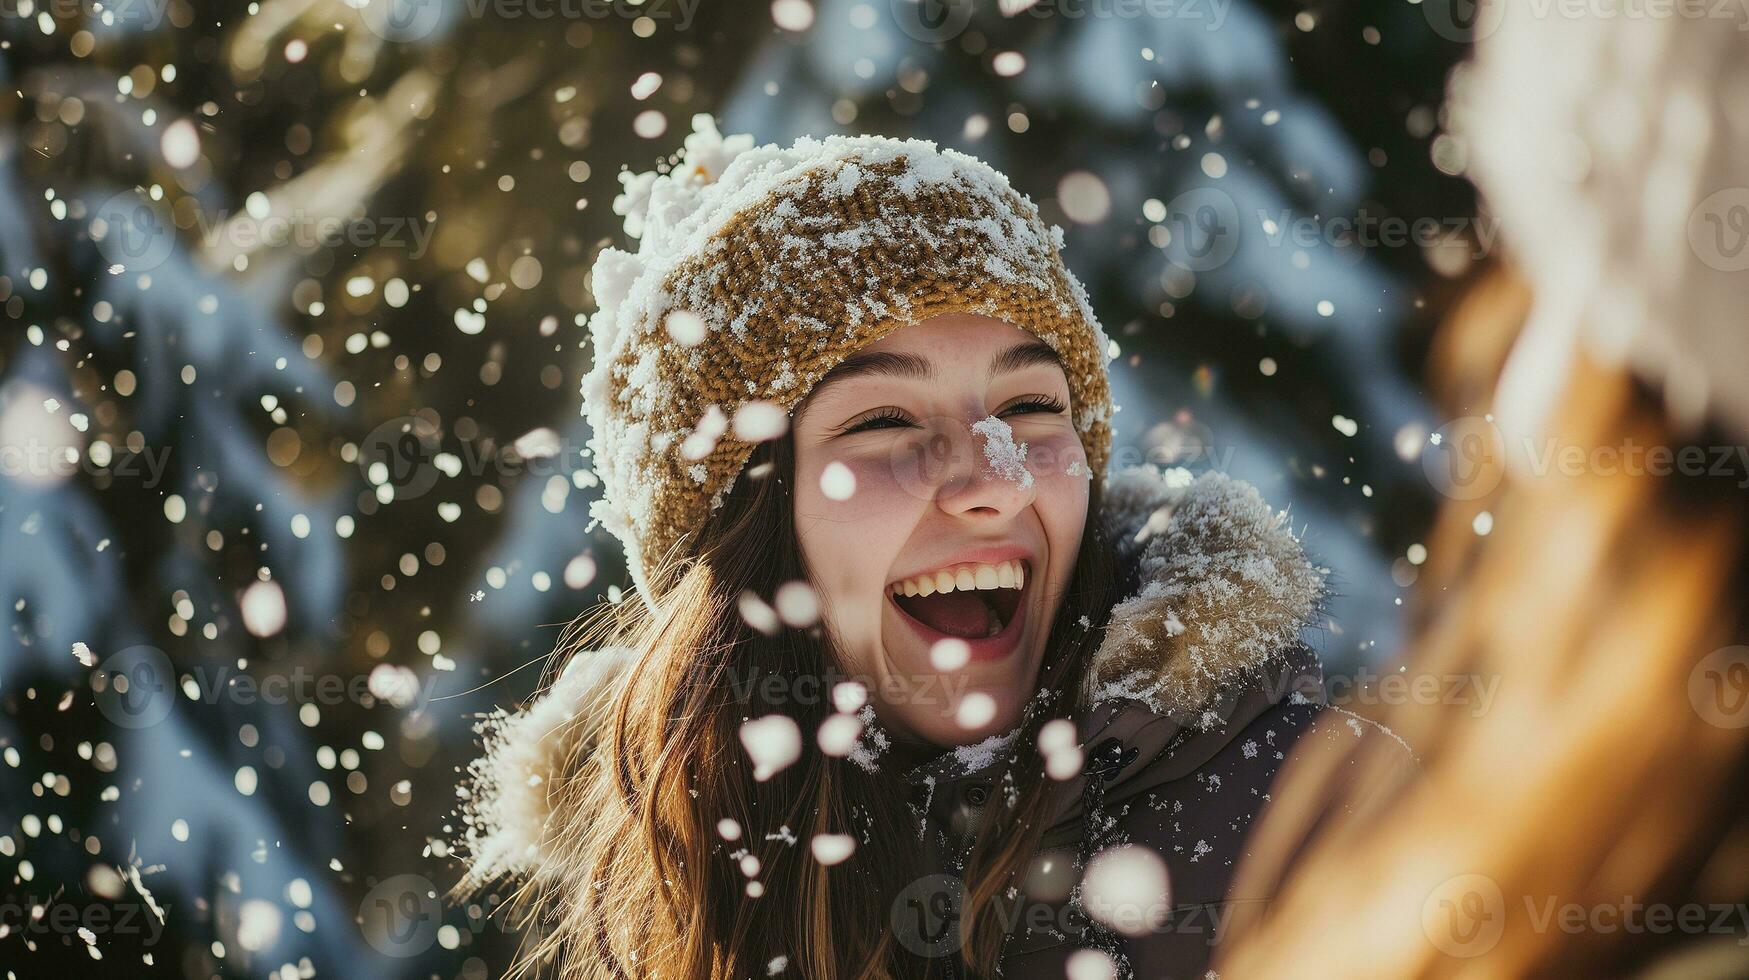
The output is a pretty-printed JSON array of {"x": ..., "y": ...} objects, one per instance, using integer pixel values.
[{"x": 1009, "y": 574}]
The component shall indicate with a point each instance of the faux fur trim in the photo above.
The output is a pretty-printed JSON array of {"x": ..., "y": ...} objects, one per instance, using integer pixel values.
[
  {"x": 505, "y": 803},
  {"x": 1225, "y": 590}
]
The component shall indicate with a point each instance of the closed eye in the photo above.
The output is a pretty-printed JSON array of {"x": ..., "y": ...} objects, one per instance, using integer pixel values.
[
  {"x": 893, "y": 418},
  {"x": 1033, "y": 405},
  {"x": 886, "y": 418}
]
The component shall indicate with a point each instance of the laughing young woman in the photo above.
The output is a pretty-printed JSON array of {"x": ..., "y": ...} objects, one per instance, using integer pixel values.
[{"x": 910, "y": 686}]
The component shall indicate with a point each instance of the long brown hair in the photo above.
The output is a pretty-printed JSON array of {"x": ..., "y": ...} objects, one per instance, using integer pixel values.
[{"x": 647, "y": 883}]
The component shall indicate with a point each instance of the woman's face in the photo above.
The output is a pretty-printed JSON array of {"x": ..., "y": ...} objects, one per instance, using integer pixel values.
[{"x": 902, "y": 485}]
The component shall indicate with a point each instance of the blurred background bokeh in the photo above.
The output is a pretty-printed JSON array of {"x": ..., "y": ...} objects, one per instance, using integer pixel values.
[{"x": 292, "y": 298}]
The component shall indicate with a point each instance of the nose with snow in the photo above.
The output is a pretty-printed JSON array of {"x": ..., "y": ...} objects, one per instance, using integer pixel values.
[{"x": 963, "y": 456}]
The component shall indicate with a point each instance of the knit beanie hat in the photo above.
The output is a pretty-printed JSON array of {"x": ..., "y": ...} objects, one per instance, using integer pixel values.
[{"x": 758, "y": 270}]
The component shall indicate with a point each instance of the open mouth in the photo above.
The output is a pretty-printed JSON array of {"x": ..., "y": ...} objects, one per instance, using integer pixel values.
[{"x": 973, "y": 601}]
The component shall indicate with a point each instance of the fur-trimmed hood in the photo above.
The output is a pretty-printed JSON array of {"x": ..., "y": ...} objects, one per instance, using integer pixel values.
[{"x": 1222, "y": 590}]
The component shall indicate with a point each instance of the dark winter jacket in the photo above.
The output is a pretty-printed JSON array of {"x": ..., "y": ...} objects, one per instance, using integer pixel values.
[
  {"x": 1199, "y": 690},
  {"x": 1200, "y": 687}
]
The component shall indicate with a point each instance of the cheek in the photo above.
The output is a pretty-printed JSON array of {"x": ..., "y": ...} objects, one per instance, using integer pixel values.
[
  {"x": 850, "y": 544},
  {"x": 1061, "y": 499}
]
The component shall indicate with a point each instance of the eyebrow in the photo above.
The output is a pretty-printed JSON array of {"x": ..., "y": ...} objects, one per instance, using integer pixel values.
[{"x": 869, "y": 364}]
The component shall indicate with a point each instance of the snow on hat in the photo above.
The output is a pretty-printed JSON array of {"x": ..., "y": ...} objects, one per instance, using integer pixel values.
[{"x": 759, "y": 269}]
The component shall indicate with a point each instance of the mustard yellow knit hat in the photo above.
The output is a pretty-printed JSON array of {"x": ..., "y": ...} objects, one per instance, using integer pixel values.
[{"x": 759, "y": 269}]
